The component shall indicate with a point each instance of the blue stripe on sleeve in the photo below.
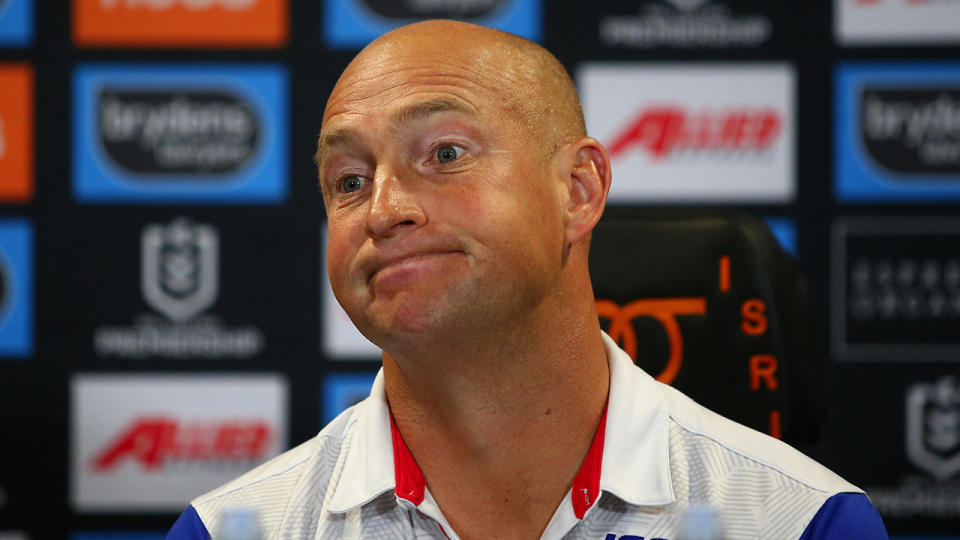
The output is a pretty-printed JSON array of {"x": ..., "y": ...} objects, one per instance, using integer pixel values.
[
  {"x": 188, "y": 526},
  {"x": 846, "y": 515}
]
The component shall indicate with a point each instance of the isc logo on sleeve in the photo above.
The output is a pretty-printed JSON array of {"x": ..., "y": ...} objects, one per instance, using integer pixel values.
[
  {"x": 179, "y": 23},
  {"x": 184, "y": 133}
]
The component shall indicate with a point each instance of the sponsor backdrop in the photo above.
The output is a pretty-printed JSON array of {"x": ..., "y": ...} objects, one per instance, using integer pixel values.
[{"x": 165, "y": 321}]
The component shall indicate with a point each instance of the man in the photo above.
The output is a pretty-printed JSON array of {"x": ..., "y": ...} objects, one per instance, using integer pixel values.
[{"x": 460, "y": 191}]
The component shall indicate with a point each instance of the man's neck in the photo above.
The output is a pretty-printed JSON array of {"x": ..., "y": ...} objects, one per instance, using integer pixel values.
[{"x": 501, "y": 427}]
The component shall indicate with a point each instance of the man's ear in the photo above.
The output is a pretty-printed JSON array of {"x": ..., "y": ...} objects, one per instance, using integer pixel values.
[{"x": 588, "y": 184}]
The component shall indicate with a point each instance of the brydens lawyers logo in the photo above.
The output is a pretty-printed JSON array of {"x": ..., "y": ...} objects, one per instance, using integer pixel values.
[
  {"x": 933, "y": 426},
  {"x": 912, "y": 130},
  {"x": 180, "y": 133},
  {"x": 354, "y": 23},
  {"x": 181, "y": 435},
  {"x": 199, "y": 132},
  {"x": 694, "y": 133},
  {"x": 685, "y": 24},
  {"x": 897, "y": 132},
  {"x": 179, "y": 279},
  {"x": 181, "y": 23}
]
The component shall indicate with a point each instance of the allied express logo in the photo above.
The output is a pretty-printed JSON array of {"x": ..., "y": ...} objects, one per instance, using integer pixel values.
[
  {"x": 206, "y": 133},
  {"x": 664, "y": 131},
  {"x": 432, "y": 9},
  {"x": 157, "y": 442},
  {"x": 181, "y": 23},
  {"x": 912, "y": 130}
]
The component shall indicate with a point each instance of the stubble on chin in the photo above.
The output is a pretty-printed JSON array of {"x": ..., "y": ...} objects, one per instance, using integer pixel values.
[{"x": 416, "y": 317}]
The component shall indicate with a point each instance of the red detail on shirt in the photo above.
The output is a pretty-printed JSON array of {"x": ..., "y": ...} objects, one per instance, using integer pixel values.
[
  {"x": 409, "y": 478},
  {"x": 586, "y": 484}
]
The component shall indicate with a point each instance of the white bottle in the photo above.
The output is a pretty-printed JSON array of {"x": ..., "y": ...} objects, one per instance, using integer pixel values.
[
  {"x": 239, "y": 524},
  {"x": 700, "y": 522}
]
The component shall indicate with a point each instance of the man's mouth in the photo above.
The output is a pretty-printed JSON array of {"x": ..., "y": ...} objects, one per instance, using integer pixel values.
[{"x": 408, "y": 264}]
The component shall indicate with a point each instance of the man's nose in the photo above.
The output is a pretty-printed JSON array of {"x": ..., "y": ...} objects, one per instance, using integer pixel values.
[{"x": 393, "y": 207}]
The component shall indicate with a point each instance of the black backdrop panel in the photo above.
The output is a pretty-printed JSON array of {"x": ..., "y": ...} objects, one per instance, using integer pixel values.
[{"x": 264, "y": 315}]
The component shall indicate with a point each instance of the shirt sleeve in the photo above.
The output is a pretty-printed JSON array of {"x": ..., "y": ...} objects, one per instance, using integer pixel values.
[
  {"x": 188, "y": 526},
  {"x": 846, "y": 515}
]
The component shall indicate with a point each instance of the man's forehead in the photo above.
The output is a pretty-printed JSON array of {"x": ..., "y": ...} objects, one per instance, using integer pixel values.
[
  {"x": 404, "y": 114},
  {"x": 375, "y": 85}
]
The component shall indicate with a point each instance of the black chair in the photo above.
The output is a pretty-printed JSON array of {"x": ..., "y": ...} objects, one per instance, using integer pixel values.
[{"x": 710, "y": 303}]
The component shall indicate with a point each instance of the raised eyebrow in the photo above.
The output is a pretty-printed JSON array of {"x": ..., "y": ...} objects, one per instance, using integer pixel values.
[
  {"x": 423, "y": 109},
  {"x": 408, "y": 114},
  {"x": 334, "y": 138}
]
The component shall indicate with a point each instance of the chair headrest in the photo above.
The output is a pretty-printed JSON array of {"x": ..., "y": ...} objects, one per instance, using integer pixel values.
[{"x": 708, "y": 302}]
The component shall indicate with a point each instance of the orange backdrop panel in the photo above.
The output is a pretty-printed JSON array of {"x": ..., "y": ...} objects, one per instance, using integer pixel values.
[
  {"x": 16, "y": 132},
  {"x": 180, "y": 23}
]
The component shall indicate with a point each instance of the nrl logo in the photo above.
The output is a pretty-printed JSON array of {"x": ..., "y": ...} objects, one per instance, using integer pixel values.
[
  {"x": 933, "y": 427},
  {"x": 179, "y": 268}
]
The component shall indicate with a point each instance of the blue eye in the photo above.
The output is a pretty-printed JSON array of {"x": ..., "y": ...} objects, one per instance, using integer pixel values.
[
  {"x": 352, "y": 183},
  {"x": 448, "y": 153}
]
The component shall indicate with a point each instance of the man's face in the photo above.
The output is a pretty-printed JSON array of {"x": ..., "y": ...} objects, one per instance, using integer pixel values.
[{"x": 444, "y": 217}]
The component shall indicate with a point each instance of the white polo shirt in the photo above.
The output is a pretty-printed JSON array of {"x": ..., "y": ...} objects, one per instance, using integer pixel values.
[{"x": 655, "y": 453}]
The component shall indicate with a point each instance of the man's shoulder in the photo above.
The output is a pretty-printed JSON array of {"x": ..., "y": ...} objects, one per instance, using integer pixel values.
[
  {"x": 721, "y": 463},
  {"x": 273, "y": 487},
  {"x": 701, "y": 434}
]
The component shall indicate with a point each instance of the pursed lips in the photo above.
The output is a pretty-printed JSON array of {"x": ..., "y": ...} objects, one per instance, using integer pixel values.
[{"x": 412, "y": 256}]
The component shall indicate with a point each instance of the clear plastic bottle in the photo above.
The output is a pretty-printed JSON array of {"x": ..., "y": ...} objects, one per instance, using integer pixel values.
[
  {"x": 700, "y": 522},
  {"x": 239, "y": 524}
]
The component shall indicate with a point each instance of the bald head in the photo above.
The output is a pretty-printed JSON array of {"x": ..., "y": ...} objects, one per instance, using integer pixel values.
[{"x": 523, "y": 78}]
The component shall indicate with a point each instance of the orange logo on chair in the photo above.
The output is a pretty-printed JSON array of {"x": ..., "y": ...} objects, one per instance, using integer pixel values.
[
  {"x": 665, "y": 311},
  {"x": 16, "y": 132},
  {"x": 181, "y": 23}
]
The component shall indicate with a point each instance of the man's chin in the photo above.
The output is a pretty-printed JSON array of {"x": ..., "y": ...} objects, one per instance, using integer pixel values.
[{"x": 407, "y": 323}]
